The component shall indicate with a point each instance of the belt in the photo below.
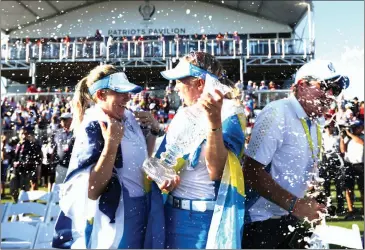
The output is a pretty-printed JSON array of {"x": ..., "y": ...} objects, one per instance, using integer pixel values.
[{"x": 193, "y": 205}]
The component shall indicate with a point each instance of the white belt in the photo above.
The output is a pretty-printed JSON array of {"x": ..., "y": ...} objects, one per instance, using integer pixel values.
[{"x": 193, "y": 205}]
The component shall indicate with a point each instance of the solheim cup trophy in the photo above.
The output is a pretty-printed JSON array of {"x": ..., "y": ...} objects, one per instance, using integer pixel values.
[{"x": 188, "y": 130}]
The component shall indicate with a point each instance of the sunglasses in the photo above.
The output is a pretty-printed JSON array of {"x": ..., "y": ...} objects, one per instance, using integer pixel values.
[{"x": 333, "y": 85}]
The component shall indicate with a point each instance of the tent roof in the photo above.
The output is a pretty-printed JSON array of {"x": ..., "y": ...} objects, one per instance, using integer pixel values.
[{"x": 21, "y": 13}]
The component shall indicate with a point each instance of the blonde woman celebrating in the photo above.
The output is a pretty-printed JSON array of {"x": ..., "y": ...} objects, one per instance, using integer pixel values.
[{"x": 105, "y": 202}]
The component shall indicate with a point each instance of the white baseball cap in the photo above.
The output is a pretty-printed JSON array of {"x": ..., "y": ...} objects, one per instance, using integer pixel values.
[{"x": 322, "y": 70}]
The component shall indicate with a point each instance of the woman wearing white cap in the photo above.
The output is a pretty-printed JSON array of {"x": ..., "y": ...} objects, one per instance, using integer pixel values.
[
  {"x": 197, "y": 215},
  {"x": 105, "y": 202}
]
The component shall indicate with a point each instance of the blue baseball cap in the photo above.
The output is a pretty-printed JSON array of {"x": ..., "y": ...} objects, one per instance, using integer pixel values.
[
  {"x": 185, "y": 69},
  {"x": 117, "y": 82}
]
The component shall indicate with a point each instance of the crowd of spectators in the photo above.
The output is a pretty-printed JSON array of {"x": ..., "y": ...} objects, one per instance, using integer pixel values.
[
  {"x": 28, "y": 125},
  {"x": 343, "y": 155}
]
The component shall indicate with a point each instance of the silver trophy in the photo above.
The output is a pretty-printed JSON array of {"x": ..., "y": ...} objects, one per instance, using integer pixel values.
[{"x": 186, "y": 132}]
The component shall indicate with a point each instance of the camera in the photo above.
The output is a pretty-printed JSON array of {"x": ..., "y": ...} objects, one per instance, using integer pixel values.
[{"x": 344, "y": 128}]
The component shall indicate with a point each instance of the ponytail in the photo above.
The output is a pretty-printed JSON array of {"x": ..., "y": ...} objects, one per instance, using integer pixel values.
[
  {"x": 80, "y": 102},
  {"x": 82, "y": 97}
]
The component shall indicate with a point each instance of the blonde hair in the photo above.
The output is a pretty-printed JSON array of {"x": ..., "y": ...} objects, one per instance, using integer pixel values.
[
  {"x": 82, "y": 97},
  {"x": 212, "y": 65}
]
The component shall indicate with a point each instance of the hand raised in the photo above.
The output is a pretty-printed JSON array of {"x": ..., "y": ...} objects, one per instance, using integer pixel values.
[
  {"x": 113, "y": 133},
  {"x": 212, "y": 104}
]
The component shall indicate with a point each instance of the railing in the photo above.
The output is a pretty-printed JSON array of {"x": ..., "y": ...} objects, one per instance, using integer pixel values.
[
  {"x": 152, "y": 48},
  {"x": 282, "y": 47},
  {"x": 22, "y": 98},
  {"x": 263, "y": 96},
  {"x": 266, "y": 96}
]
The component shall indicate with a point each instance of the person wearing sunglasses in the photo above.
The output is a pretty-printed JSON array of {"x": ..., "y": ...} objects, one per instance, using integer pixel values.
[{"x": 282, "y": 156}]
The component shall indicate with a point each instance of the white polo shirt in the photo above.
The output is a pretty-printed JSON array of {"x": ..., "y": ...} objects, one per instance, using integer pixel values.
[
  {"x": 279, "y": 142},
  {"x": 355, "y": 152}
]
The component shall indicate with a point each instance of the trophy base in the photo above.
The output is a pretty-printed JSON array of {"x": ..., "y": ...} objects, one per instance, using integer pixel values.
[{"x": 158, "y": 170}]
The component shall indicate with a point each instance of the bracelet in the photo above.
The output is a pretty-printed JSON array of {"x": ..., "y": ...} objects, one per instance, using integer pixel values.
[
  {"x": 216, "y": 129},
  {"x": 293, "y": 201}
]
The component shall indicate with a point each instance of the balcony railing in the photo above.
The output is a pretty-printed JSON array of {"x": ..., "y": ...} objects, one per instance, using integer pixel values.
[
  {"x": 264, "y": 97},
  {"x": 152, "y": 48}
]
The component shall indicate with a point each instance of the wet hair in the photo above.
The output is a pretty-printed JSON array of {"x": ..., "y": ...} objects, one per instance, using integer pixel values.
[
  {"x": 82, "y": 97},
  {"x": 212, "y": 65}
]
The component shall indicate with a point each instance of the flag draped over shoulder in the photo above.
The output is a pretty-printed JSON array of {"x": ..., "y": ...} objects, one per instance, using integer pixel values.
[
  {"x": 226, "y": 228},
  {"x": 228, "y": 217},
  {"x": 84, "y": 223}
]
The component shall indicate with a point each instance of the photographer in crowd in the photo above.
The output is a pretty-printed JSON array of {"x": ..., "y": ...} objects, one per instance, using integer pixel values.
[
  {"x": 352, "y": 145},
  {"x": 331, "y": 167}
]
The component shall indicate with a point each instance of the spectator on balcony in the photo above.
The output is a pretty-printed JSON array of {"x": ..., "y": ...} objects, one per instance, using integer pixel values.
[
  {"x": 263, "y": 86},
  {"x": 31, "y": 89},
  {"x": 219, "y": 39},
  {"x": 236, "y": 39},
  {"x": 249, "y": 88},
  {"x": 204, "y": 38},
  {"x": 161, "y": 40},
  {"x": 110, "y": 40},
  {"x": 226, "y": 35},
  {"x": 98, "y": 37},
  {"x": 67, "y": 40},
  {"x": 239, "y": 86},
  {"x": 272, "y": 85},
  {"x": 254, "y": 86},
  {"x": 226, "y": 43},
  {"x": 177, "y": 44}
]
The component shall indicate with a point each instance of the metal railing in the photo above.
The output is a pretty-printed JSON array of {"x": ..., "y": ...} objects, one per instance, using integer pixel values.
[
  {"x": 152, "y": 48},
  {"x": 282, "y": 47},
  {"x": 264, "y": 97}
]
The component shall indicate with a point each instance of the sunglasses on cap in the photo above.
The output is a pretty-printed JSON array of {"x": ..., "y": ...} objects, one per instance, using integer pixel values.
[{"x": 334, "y": 84}]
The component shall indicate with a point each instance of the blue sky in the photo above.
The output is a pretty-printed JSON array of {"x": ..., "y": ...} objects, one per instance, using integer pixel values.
[{"x": 339, "y": 34}]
